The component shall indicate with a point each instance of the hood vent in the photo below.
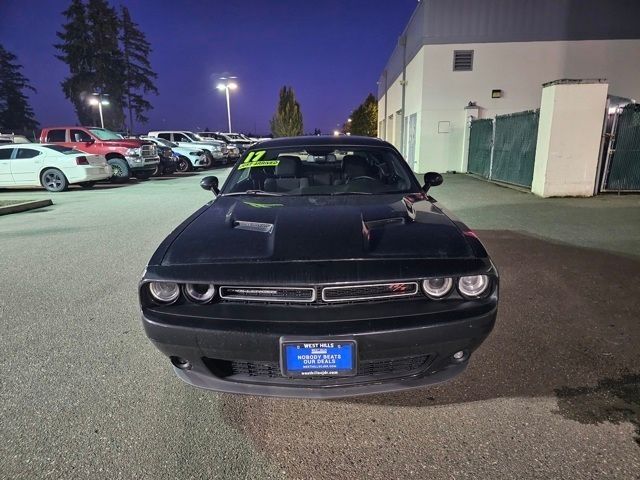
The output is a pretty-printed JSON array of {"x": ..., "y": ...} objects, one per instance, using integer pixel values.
[{"x": 253, "y": 226}]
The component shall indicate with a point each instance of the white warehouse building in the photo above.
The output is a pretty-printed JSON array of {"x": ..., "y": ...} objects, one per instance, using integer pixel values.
[{"x": 496, "y": 54}]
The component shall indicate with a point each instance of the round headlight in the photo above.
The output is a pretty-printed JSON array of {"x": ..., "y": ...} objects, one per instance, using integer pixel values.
[
  {"x": 200, "y": 292},
  {"x": 437, "y": 287},
  {"x": 164, "y": 292},
  {"x": 473, "y": 286}
]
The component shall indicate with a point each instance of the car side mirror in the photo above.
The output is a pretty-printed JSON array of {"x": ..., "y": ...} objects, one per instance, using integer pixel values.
[
  {"x": 210, "y": 183},
  {"x": 431, "y": 179}
]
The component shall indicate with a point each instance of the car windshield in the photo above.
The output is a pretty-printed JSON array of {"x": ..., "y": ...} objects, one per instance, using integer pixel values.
[
  {"x": 63, "y": 150},
  {"x": 162, "y": 141},
  {"x": 194, "y": 136},
  {"x": 321, "y": 171},
  {"x": 103, "y": 134}
]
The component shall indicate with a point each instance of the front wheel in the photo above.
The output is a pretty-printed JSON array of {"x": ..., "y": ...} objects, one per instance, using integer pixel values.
[
  {"x": 120, "y": 169},
  {"x": 54, "y": 180},
  {"x": 184, "y": 165}
]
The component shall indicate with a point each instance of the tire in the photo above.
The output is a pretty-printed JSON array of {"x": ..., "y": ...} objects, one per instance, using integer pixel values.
[
  {"x": 54, "y": 180},
  {"x": 209, "y": 162},
  {"x": 121, "y": 171},
  {"x": 144, "y": 175},
  {"x": 87, "y": 184},
  {"x": 184, "y": 165}
]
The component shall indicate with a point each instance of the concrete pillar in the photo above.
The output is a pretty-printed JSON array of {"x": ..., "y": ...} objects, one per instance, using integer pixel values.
[
  {"x": 569, "y": 134},
  {"x": 471, "y": 112}
]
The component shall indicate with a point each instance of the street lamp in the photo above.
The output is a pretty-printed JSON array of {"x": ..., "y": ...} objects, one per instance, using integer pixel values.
[
  {"x": 227, "y": 84},
  {"x": 99, "y": 100}
]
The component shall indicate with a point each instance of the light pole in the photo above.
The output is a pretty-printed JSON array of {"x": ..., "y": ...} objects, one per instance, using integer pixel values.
[
  {"x": 227, "y": 84},
  {"x": 98, "y": 99}
]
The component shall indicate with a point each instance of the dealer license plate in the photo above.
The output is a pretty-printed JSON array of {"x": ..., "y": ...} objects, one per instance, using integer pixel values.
[{"x": 316, "y": 358}]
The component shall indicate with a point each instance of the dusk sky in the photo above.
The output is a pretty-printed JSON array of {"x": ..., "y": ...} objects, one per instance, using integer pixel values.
[{"x": 330, "y": 51}]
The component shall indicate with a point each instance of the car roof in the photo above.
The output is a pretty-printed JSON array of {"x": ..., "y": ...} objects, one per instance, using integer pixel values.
[{"x": 317, "y": 140}]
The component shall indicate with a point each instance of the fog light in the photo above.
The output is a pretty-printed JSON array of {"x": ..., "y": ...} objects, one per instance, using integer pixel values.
[
  {"x": 459, "y": 355},
  {"x": 181, "y": 363}
]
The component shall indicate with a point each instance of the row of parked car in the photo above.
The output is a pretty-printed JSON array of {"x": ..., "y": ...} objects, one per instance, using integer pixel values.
[{"x": 86, "y": 155}]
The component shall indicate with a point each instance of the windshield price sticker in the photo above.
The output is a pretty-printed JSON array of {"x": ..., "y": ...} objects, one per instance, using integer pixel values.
[
  {"x": 306, "y": 359},
  {"x": 254, "y": 159}
]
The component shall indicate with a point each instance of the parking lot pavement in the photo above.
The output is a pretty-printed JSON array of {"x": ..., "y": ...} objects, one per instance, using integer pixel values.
[{"x": 553, "y": 393}]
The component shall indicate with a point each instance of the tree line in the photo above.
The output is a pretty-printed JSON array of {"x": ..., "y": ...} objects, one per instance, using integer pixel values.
[{"x": 108, "y": 54}]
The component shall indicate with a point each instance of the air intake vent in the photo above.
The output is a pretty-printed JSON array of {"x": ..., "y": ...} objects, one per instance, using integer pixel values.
[
  {"x": 356, "y": 293},
  {"x": 268, "y": 294},
  {"x": 462, "y": 60}
]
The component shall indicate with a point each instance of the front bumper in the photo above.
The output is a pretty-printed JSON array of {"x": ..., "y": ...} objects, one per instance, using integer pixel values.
[
  {"x": 137, "y": 163},
  {"x": 400, "y": 345}
]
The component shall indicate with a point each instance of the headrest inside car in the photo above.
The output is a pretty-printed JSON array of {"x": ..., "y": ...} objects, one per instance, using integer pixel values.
[
  {"x": 355, "y": 166},
  {"x": 289, "y": 166}
]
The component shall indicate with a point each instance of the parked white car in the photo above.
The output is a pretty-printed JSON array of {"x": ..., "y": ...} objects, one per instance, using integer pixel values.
[
  {"x": 53, "y": 167},
  {"x": 218, "y": 150},
  {"x": 188, "y": 157}
]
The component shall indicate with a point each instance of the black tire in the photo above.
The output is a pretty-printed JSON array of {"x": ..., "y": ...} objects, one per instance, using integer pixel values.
[
  {"x": 54, "y": 180},
  {"x": 121, "y": 171},
  {"x": 158, "y": 172},
  {"x": 208, "y": 162},
  {"x": 87, "y": 184},
  {"x": 184, "y": 165},
  {"x": 144, "y": 175}
]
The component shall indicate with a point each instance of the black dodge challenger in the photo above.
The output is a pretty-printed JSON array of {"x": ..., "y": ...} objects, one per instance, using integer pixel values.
[{"x": 320, "y": 269}]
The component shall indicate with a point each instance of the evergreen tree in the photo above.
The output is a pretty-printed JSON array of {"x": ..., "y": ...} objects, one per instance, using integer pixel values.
[
  {"x": 90, "y": 48},
  {"x": 287, "y": 121},
  {"x": 108, "y": 60},
  {"x": 364, "y": 119},
  {"x": 75, "y": 51},
  {"x": 138, "y": 74},
  {"x": 15, "y": 112}
]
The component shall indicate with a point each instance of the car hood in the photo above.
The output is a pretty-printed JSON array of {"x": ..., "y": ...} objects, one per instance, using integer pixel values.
[
  {"x": 125, "y": 143},
  {"x": 318, "y": 228}
]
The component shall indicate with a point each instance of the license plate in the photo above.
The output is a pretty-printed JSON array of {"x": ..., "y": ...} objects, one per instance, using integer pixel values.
[{"x": 319, "y": 358}]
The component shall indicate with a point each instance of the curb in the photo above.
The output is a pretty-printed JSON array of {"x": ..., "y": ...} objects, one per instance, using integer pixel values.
[{"x": 24, "y": 206}]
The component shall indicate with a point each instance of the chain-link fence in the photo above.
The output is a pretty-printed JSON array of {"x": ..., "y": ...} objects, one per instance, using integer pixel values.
[
  {"x": 514, "y": 148},
  {"x": 480, "y": 140}
]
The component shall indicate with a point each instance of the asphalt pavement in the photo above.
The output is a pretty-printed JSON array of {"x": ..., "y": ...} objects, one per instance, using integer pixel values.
[{"x": 553, "y": 393}]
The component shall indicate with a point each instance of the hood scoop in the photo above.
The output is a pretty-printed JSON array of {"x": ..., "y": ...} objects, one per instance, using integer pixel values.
[{"x": 253, "y": 226}]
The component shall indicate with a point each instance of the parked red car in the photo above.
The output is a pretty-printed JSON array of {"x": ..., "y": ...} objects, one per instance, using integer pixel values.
[{"x": 127, "y": 157}]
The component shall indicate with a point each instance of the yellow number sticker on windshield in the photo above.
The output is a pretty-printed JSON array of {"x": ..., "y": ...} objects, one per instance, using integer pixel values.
[{"x": 254, "y": 160}]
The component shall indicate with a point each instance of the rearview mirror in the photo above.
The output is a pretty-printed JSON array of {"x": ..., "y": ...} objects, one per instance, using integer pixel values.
[
  {"x": 210, "y": 183},
  {"x": 431, "y": 179}
]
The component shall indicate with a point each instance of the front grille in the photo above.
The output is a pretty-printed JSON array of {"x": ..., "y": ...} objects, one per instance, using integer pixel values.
[
  {"x": 394, "y": 367},
  {"x": 148, "y": 151},
  {"x": 352, "y": 293},
  {"x": 268, "y": 294}
]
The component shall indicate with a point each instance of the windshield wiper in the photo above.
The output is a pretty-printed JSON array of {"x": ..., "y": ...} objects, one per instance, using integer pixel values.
[
  {"x": 253, "y": 192},
  {"x": 351, "y": 193}
]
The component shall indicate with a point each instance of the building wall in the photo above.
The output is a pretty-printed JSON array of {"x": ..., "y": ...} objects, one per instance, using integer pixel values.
[{"x": 439, "y": 95}]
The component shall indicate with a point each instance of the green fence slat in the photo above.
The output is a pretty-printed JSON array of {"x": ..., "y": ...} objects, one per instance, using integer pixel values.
[
  {"x": 514, "y": 149},
  {"x": 480, "y": 138},
  {"x": 624, "y": 172}
]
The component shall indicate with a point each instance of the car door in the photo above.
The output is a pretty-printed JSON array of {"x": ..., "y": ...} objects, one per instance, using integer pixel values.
[
  {"x": 5, "y": 166},
  {"x": 81, "y": 140},
  {"x": 181, "y": 139},
  {"x": 25, "y": 166}
]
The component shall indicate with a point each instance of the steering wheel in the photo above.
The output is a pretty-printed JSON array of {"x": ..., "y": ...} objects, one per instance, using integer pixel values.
[{"x": 362, "y": 177}]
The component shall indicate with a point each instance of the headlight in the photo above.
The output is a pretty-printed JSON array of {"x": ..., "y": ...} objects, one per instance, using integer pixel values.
[
  {"x": 437, "y": 287},
  {"x": 131, "y": 152},
  {"x": 164, "y": 292},
  {"x": 473, "y": 286},
  {"x": 200, "y": 292},
  {"x": 216, "y": 148}
]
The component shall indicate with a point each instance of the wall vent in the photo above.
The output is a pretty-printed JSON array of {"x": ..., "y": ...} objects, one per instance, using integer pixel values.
[{"x": 462, "y": 60}]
